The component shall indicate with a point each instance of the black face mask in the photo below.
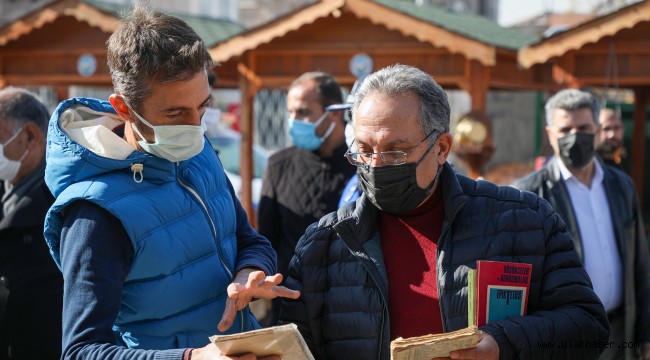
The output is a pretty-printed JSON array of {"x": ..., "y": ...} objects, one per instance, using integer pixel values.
[
  {"x": 577, "y": 149},
  {"x": 394, "y": 188}
]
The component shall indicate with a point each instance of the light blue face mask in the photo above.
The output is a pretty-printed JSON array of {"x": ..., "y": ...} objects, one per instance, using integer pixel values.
[{"x": 303, "y": 133}]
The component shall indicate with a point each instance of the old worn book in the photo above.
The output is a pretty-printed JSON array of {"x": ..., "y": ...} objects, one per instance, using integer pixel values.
[
  {"x": 284, "y": 340},
  {"x": 434, "y": 345}
]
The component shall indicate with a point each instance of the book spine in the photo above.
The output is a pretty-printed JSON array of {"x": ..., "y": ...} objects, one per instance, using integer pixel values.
[{"x": 471, "y": 297}]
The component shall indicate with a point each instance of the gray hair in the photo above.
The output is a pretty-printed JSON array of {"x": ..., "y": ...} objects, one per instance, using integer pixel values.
[
  {"x": 398, "y": 80},
  {"x": 572, "y": 100},
  {"x": 18, "y": 107}
]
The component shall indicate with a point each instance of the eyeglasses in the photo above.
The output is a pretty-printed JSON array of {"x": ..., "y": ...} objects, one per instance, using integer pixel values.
[{"x": 387, "y": 157}]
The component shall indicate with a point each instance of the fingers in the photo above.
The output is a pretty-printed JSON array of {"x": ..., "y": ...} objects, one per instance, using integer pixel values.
[
  {"x": 228, "y": 315},
  {"x": 254, "y": 279},
  {"x": 233, "y": 290},
  {"x": 464, "y": 354},
  {"x": 487, "y": 348},
  {"x": 282, "y": 291},
  {"x": 274, "y": 279}
]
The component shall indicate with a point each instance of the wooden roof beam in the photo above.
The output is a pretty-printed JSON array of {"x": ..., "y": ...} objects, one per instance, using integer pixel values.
[
  {"x": 249, "y": 40},
  {"x": 423, "y": 31},
  {"x": 589, "y": 32},
  {"x": 50, "y": 13}
]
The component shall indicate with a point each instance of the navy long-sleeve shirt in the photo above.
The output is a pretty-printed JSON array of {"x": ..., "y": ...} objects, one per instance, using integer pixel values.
[{"x": 96, "y": 256}]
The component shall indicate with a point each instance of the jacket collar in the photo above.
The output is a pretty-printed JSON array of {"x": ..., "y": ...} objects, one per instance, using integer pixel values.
[
  {"x": 360, "y": 219},
  {"x": 553, "y": 167},
  {"x": 453, "y": 194},
  {"x": 25, "y": 204}
]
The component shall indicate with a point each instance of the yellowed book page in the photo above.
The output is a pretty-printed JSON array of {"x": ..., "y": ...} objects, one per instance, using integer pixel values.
[
  {"x": 284, "y": 340},
  {"x": 434, "y": 345}
]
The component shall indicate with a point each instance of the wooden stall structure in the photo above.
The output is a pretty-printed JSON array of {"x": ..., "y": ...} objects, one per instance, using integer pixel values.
[
  {"x": 461, "y": 51},
  {"x": 580, "y": 57},
  {"x": 64, "y": 44}
]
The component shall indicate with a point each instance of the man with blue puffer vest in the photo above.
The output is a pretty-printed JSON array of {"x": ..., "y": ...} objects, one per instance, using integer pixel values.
[{"x": 154, "y": 246}]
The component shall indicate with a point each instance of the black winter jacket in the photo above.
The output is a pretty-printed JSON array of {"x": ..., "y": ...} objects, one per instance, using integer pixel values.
[
  {"x": 338, "y": 266},
  {"x": 31, "y": 326},
  {"x": 628, "y": 230}
]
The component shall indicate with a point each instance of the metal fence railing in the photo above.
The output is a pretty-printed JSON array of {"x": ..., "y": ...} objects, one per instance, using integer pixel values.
[{"x": 270, "y": 117}]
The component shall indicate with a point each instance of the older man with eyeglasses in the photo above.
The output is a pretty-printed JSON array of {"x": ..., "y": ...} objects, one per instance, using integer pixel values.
[{"x": 395, "y": 262}]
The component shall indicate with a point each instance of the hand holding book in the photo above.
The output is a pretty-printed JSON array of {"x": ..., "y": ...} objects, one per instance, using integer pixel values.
[
  {"x": 468, "y": 343},
  {"x": 284, "y": 341},
  {"x": 486, "y": 349}
]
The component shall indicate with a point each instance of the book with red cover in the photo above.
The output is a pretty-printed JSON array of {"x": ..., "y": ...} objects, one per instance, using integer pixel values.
[{"x": 501, "y": 290}]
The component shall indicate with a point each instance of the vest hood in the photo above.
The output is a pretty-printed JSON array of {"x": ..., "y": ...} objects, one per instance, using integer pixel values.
[{"x": 81, "y": 144}]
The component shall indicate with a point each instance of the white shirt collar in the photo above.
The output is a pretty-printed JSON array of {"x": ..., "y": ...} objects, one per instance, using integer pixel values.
[{"x": 567, "y": 175}]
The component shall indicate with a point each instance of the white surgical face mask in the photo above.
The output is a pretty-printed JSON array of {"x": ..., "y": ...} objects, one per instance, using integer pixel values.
[
  {"x": 9, "y": 168},
  {"x": 173, "y": 142}
]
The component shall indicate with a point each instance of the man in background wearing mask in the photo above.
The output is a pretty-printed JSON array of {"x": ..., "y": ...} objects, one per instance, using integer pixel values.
[
  {"x": 609, "y": 139},
  {"x": 394, "y": 263},
  {"x": 600, "y": 208},
  {"x": 304, "y": 182},
  {"x": 31, "y": 286},
  {"x": 156, "y": 251}
]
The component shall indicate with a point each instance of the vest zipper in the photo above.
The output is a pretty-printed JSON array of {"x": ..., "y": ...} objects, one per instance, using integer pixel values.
[
  {"x": 214, "y": 233},
  {"x": 214, "y": 228}
]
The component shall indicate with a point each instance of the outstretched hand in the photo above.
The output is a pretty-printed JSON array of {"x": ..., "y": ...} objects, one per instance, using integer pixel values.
[{"x": 248, "y": 284}]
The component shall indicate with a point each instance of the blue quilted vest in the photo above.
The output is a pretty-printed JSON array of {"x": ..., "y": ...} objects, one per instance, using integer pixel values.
[{"x": 181, "y": 222}]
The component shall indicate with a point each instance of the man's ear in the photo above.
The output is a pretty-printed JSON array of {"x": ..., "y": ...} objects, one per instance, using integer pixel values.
[
  {"x": 120, "y": 107},
  {"x": 444, "y": 147},
  {"x": 34, "y": 135}
]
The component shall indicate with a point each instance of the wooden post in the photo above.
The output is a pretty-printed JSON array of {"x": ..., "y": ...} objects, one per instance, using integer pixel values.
[
  {"x": 248, "y": 85},
  {"x": 478, "y": 78},
  {"x": 246, "y": 166},
  {"x": 3, "y": 81},
  {"x": 62, "y": 92},
  {"x": 475, "y": 158},
  {"x": 564, "y": 72},
  {"x": 638, "y": 139}
]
